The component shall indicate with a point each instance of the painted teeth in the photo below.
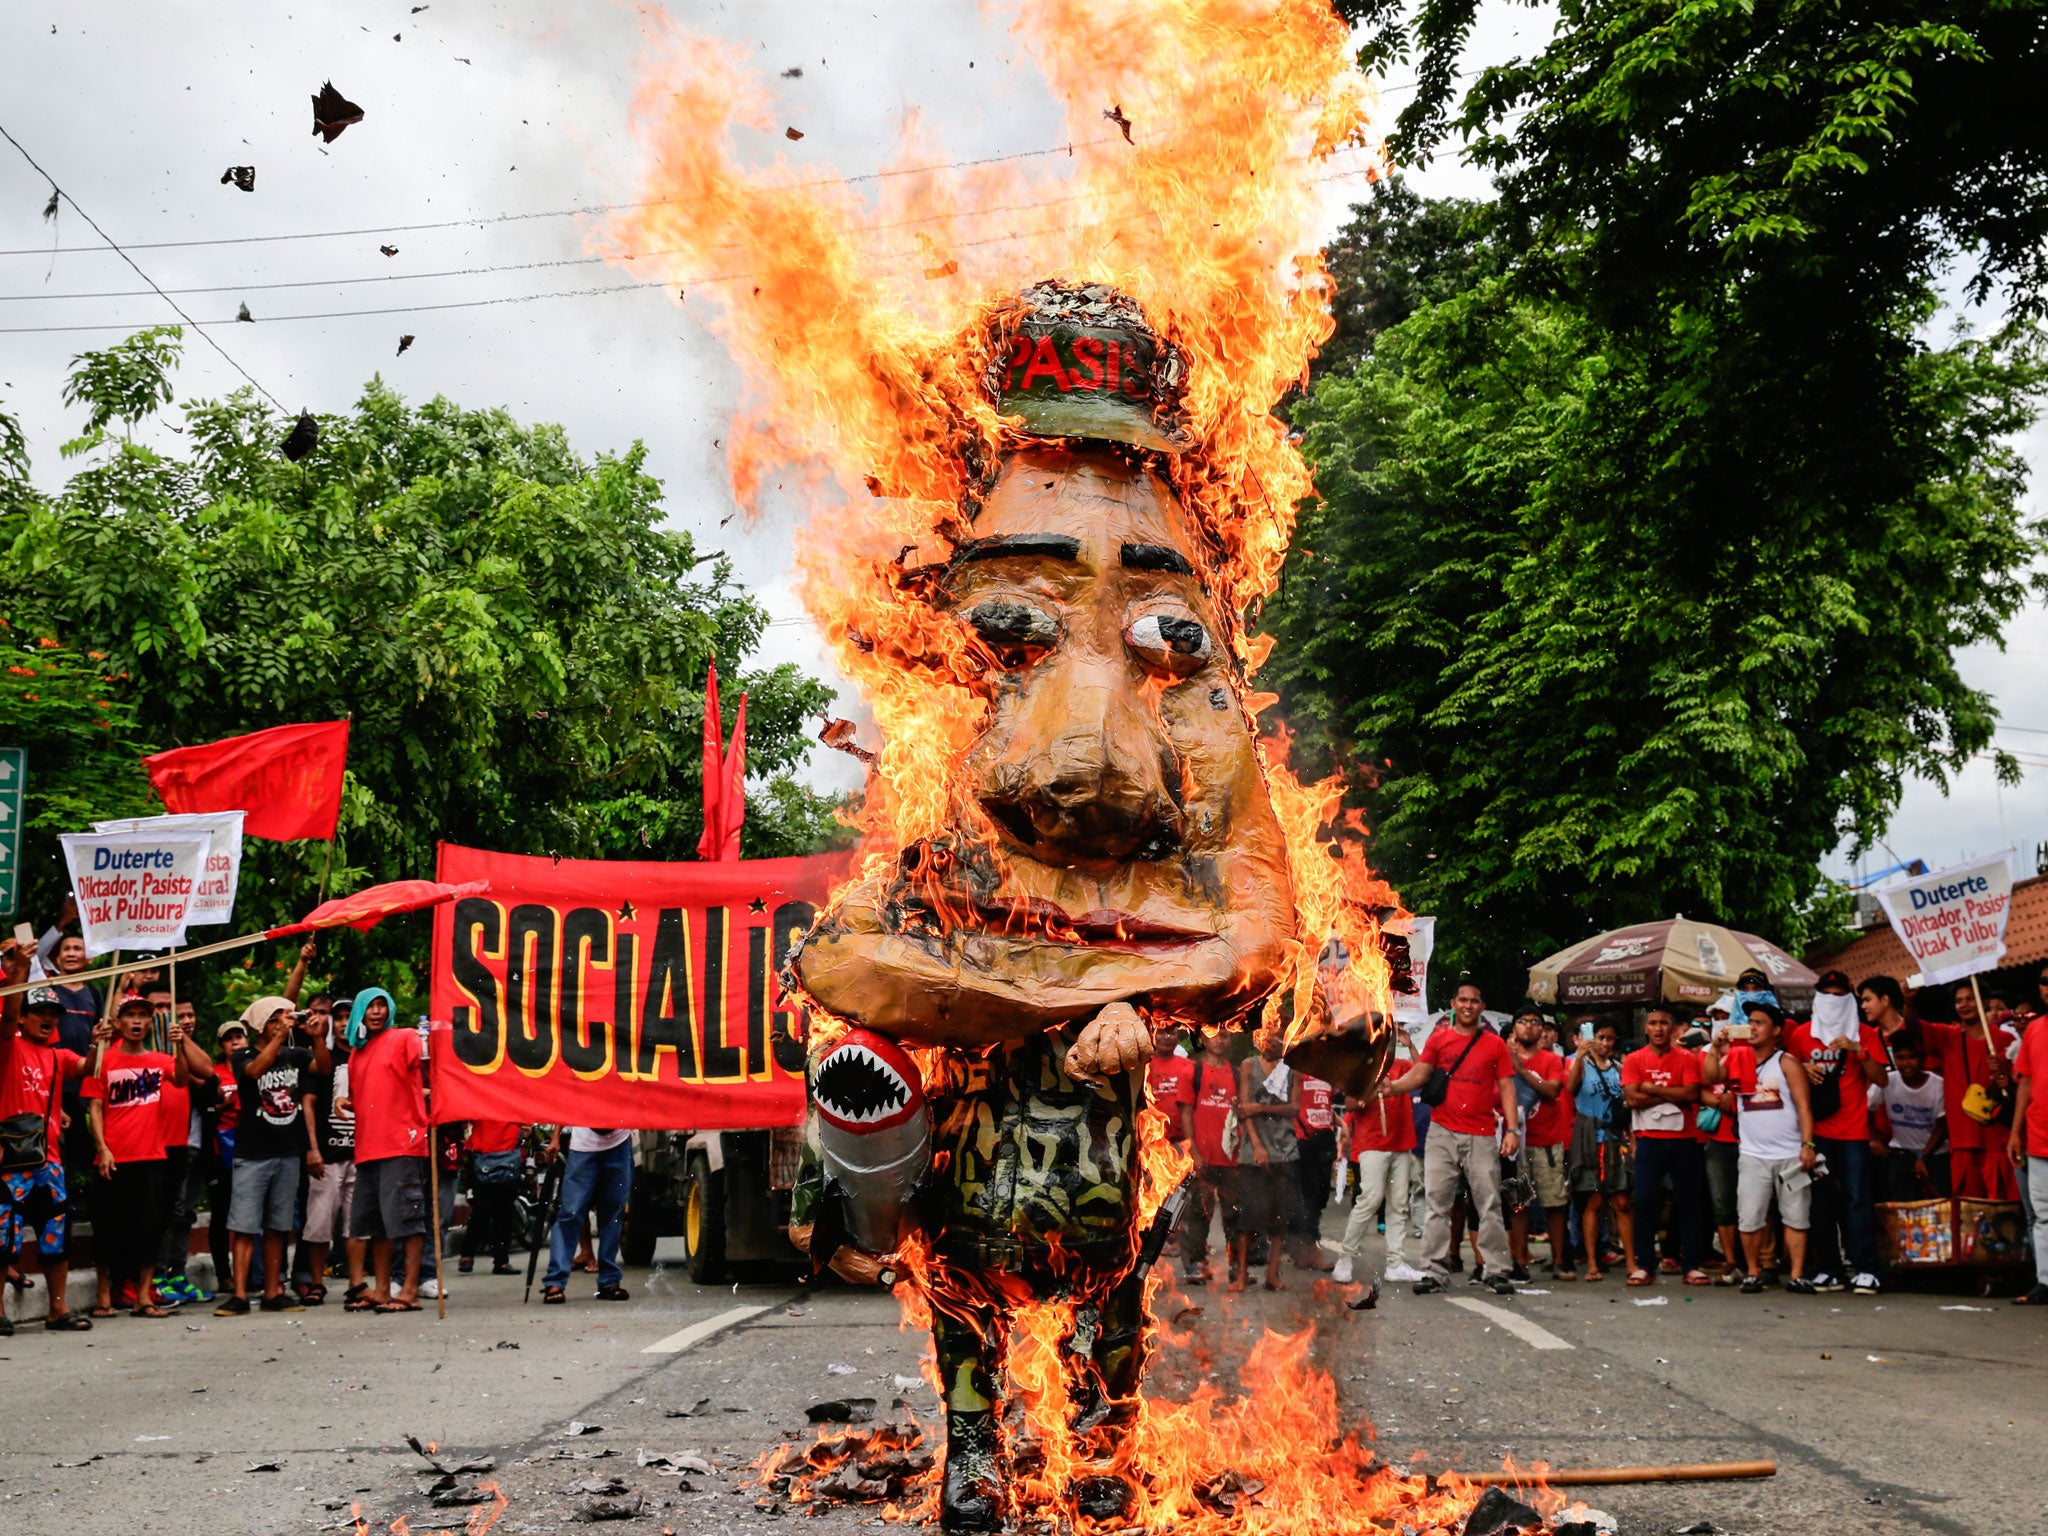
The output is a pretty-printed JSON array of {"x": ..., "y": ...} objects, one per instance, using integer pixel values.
[{"x": 856, "y": 1085}]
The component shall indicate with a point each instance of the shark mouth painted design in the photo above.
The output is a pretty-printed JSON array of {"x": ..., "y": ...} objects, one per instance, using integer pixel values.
[{"x": 866, "y": 1083}]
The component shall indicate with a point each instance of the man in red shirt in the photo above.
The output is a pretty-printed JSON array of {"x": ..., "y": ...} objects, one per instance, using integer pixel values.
[
  {"x": 33, "y": 1072},
  {"x": 1461, "y": 1148},
  {"x": 1170, "y": 1076},
  {"x": 124, "y": 1105},
  {"x": 1380, "y": 1134},
  {"x": 1540, "y": 1072},
  {"x": 1315, "y": 1133},
  {"x": 2027, "y": 1146},
  {"x": 387, "y": 1096},
  {"x": 1210, "y": 1096},
  {"x": 1842, "y": 1061},
  {"x": 1661, "y": 1085}
]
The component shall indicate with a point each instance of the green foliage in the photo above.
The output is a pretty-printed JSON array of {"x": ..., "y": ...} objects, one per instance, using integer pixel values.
[
  {"x": 1399, "y": 251},
  {"x": 1647, "y": 552},
  {"x": 519, "y": 644},
  {"x": 1581, "y": 691}
]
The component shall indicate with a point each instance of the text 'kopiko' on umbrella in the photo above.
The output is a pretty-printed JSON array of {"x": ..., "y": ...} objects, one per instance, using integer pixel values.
[{"x": 1670, "y": 960}]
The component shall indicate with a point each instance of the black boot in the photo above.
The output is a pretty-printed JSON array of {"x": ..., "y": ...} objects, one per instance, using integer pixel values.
[
  {"x": 972, "y": 1500},
  {"x": 1102, "y": 1496}
]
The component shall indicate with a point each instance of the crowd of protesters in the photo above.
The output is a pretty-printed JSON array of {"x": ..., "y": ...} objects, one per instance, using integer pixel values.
[
  {"x": 1747, "y": 1146},
  {"x": 303, "y": 1135}
]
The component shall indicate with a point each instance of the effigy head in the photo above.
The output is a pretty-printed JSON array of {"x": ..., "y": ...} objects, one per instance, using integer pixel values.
[{"x": 1113, "y": 838}]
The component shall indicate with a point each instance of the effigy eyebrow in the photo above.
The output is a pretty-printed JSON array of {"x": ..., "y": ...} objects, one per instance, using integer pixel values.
[
  {"x": 1155, "y": 557},
  {"x": 1044, "y": 546}
]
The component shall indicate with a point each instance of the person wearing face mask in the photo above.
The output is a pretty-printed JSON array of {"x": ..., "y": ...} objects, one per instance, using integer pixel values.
[{"x": 1843, "y": 1056}]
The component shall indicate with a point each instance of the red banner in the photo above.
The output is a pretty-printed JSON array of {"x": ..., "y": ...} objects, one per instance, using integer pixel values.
[{"x": 619, "y": 994}]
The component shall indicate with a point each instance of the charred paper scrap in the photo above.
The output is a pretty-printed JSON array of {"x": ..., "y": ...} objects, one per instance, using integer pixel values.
[{"x": 333, "y": 112}]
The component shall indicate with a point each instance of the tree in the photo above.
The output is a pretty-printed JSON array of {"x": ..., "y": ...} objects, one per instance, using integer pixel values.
[
  {"x": 1399, "y": 251},
  {"x": 1573, "y": 697},
  {"x": 520, "y": 646}
]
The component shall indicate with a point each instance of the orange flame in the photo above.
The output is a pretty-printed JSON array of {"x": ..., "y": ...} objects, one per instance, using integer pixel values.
[
  {"x": 861, "y": 326},
  {"x": 1201, "y": 133}
]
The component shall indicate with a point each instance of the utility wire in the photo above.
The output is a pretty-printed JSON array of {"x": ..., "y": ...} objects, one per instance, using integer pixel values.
[
  {"x": 559, "y": 213},
  {"x": 532, "y": 298},
  {"x": 178, "y": 308}
]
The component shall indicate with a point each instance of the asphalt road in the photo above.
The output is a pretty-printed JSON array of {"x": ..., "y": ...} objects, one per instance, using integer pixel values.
[{"x": 1906, "y": 1413}]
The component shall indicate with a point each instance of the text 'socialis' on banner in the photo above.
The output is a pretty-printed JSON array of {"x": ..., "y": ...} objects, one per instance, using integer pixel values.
[{"x": 620, "y": 994}]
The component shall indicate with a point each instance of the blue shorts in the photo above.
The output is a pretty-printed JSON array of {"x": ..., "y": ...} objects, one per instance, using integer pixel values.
[{"x": 33, "y": 1202}]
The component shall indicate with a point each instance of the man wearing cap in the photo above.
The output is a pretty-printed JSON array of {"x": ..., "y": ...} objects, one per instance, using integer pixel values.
[
  {"x": 33, "y": 1071},
  {"x": 274, "y": 1141}
]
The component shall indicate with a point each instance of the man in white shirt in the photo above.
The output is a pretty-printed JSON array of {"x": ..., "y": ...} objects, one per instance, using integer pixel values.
[{"x": 599, "y": 1172}]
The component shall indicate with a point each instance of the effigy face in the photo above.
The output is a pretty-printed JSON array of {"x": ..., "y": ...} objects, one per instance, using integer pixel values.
[{"x": 1115, "y": 841}]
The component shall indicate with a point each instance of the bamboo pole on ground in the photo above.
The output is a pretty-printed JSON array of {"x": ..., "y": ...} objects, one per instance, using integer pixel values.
[
  {"x": 434, "y": 1216},
  {"x": 1686, "y": 1472}
]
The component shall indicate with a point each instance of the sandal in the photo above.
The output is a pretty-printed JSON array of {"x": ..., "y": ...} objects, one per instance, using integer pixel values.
[
  {"x": 613, "y": 1293},
  {"x": 99, "y": 1311},
  {"x": 1640, "y": 1277},
  {"x": 553, "y": 1295},
  {"x": 1595, "y": 1276},
  {"x": 1564, "y": 1274},
  {"x": 67, "y": 1322},
  {"x": 397, "y": 1304},
  {"x": 313, "y": 1295},
  {"x": 1698, "y": 1277},
  {"x": 148, "y": 1309}
]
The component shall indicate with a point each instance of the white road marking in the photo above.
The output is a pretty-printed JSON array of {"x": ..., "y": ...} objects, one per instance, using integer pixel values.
[
  {"x": 1528, "y": 1332},
  {"x": 697, "y": 1333}
]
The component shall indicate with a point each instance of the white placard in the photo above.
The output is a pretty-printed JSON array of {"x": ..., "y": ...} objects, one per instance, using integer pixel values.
[
  {"x": 1952, "y": 922},
  {"x": 134, "y": 889},
  {"x": 1421, "y": 933},
  {"x": 214, "y": 900}
]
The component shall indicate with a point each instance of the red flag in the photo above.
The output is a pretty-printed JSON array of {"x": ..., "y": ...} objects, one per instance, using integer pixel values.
[
  {"x": 368, "y": 908},
  {"x": 732, "y": 803},
  {"x": 288, "y": 778},
  {"x": 713, "y": 839}
]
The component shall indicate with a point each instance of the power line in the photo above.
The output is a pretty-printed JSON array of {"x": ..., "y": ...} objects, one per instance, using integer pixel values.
[
  {"x": 561, "y": 213},
  {"x": 533, "y": 298},
  {"x": 526, "y": 266},
  {"x": 179, "y": 309}
]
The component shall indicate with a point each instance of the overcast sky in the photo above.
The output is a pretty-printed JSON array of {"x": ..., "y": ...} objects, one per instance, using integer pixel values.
[{"x": 511, "y": 115}]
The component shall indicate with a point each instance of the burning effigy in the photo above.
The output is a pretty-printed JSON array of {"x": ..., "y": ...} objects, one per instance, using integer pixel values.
[{"x": 1045, "y": 492}]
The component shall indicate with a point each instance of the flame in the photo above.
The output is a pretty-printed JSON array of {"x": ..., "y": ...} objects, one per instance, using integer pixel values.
[
  {"x": 862, "y": 314},
  {"x": 862, "y": 327}
]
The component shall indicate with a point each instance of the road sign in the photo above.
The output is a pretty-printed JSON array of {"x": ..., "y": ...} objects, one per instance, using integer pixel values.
[{"x": 13, "y": 778}]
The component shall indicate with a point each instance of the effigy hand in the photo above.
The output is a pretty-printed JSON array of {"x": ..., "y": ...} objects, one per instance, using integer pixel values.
[{"x": 1115, "y": 1040}]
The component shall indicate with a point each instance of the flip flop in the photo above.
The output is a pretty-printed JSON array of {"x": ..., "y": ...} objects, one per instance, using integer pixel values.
[
  {"x": 1640, "y": 1277},
  {"x": 1698, "y": 1277},
  {"x": 361, "y": 1303},
  {"x": 1595, "y": 1276},
  {"x": 395, "y": 1304},
  {"x": 67, "y": 1322},
  {"x": 102, "y": 1311},
  {"x": 148, "y": 1311}
]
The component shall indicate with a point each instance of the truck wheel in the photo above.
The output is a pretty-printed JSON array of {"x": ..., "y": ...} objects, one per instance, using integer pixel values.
[
  {"x": 636, "y": 1244},
  {"x": 704, "y": 1220}
]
